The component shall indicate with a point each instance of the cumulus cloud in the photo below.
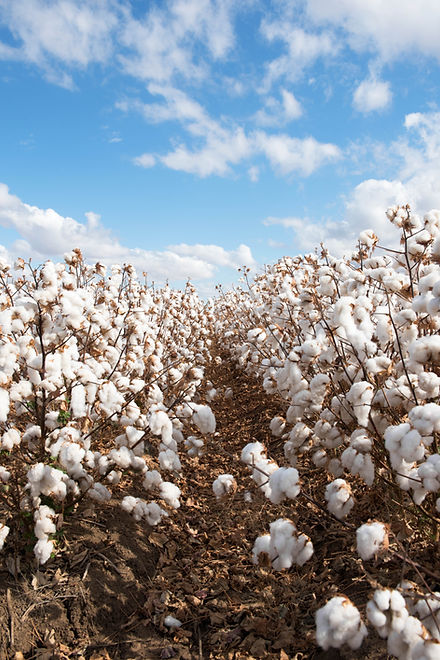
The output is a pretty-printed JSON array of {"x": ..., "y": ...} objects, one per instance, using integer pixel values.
[
  {"x": 415, "y": 182},
  {"x": 44, "y": 233},
  {"x": 386, "y": 29},
  {"x": 276, "y": 113},
  {"x": 372, "y": 95}
]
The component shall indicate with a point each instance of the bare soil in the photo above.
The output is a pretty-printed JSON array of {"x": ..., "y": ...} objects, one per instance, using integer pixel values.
[{"x": 106, "y": 593}]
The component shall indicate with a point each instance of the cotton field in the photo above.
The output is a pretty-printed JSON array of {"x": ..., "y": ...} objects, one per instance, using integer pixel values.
[{"x": 104, "y": 398}]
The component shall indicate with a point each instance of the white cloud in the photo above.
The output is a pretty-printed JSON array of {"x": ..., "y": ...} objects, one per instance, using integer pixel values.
[
  {"x": 415, "y": 182},
  {"x": 372, "y": 95},
  {"x": 217, "y": 255},
  {"x": 46, "y": 234},
  {"x": 72, "y": 33},
  {"x": 302, "y": 49},
  {"x": 288, "y": 155},
  {"x": 254, "y": 173},
  {"x": 276, "y": 113},
  {"x": 386, "y": 29},
  {"x": 145, "y": 160}
]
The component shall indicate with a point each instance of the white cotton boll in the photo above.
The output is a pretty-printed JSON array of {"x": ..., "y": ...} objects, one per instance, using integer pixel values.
[
  {"x": 160, "y": 424},
  {"x": 114, "y": 477},
  {"x": 44, "y": 524},
  {"x": 223, "y": 485},
  {"x": 229, "y": 393},
  {"x": 426, "y": 649},
  {"x": 425, "y": 350},
  {"x": 99, "y": 493},
  {"x": 169, "y": 460},
  {"x": 257, "y": 335},
  {"x": 70, "y": 457},
  {"x": 122, "y": 457},
  {"x": 78, "y": 401},
  {"x": 128, "y": 503},
  {"x": 277, "y": 426},
  {"x": 170, "y": 493},
  {"x": 360, "y": 396},
  {"x": 10, "y": 439},
  {"x": 152, "y": 479},
  {"x": 261, "y": 473},
  {"x": 339, "y": 622},
  {"x": 320, "y": 458},
  {"x": 261, "y": 547},
  {"x": 253, "y": 452},
  {"x": 371, "y": 539},
  {"x": 171, "y": 622},
  {"x": 402, "y": 642},
  {"x": 339, "y": 499},
  {"x": 387, "y": 611},
  {"x": 4, "y": 475},
  {"x": 204, "y": 419},
  {"x": 368, "y": 238},
  {"x": 425, "y": 419},
  {"x": 43, "y": 550},
  {"x": 428, "y": 610},
  {"x": 194, "y": 446},
  {"x": 154, "y": 513},
  {"x": 46, "y": 480},
  {"x": 4, "y": 531},
  {"x": 4, "y": 404},
  {"x": 283, "y": 484}
]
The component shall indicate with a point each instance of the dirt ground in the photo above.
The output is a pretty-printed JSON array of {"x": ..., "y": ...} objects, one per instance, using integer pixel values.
[{"x": 106, "y": 593}]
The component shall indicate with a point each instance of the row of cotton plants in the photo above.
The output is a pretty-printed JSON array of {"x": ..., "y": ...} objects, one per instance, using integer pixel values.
[
  {"x": 99, "y": 378},
  {"x": 351, "y": 348}
]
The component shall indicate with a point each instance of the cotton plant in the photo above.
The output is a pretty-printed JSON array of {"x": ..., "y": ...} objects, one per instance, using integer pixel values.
[{"x": 83, "y": 349}]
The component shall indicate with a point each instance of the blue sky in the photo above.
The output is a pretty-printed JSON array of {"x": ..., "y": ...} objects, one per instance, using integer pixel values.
[{"x": 192, "y": 136}]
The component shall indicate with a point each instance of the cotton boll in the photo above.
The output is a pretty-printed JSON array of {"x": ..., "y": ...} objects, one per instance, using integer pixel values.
[
  {"x": 339, "y": 499},
  {"x": 401, "y": 643},
  {"x": 4, "y": 531},
  {"x": 4, "y": 404},
  {"x": 43, "y": 550},
  {"x": 170, "y": 493},
  {"x": 169, "y": 460},
  {"x": 253, "y": 452},
  {"x": 371, "y": 539},
  {"x": 44, "y": 524},
  {"x": 99, "y": 493},
  {"x": 224, "y": 485},
  {"x": 194, "y": 446},
  {"x": 78, "y": 401},
  {"x": 261, "y": 549},
  {"x": 46, "y": 480},
  {"x": 152, "y": 479},
  {"x": 283, "y": 484},
  {"x": 338, "y": 623},
  {"x": 360, "y": 396},
  {"x": 204, "y": 419},
  {"x": 4, "y": 475},
  {"x": 387, "y": 611},
  {"x": 426, "y": 350},
  {"x": 425, "y": 419},
  {"x": 10, "y": 439},
  {"x": 284, "y": 545}
]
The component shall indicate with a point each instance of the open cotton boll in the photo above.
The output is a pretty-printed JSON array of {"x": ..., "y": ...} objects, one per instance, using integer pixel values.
[
  {"x": 47, "y": 480},
  {"x": 339, "y": 622},
  {"x": 360, "y": 396},
  {"x": 204, "y": 419},
  {"x": 152, "y": 479},
  {"x": 4, "y": 475},
  {"x": 44, "y": 524},
  {"x": 401, "y": 643},
  {"x": 339, "y": 498},
  {"x": 170, "y": 493},
  {"x": 387, "y": 611},
  {"x": 223, "y": 485},
  {"x": 99, "y": 493},
  {"x": 150, "y": 511},
  {"x": 371, "y": 539},
  {"x": 169, "y": 460},
  {"x": 425, "y": 350},
  {"x": 428, "y": 611},
  {"x": 253, "y": 452},
  {"x": 4, "y": 404},
  {"x": 277, "y": 426},
  {"x": 10, "y": 439},
  {"x": 261, "y": 549},
  {"x": 194, "y": 446},
  {"x": 284, "y": 545},
  {"x": 78, "y": 401},
  {"x": 4, "y": 531},
  {"x": 43, "y": 550},
  {"x": 425, "y": 419},
  {"x": 283, "y": 484}
]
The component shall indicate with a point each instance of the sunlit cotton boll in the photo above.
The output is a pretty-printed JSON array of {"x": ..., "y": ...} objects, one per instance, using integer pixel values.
[
  {"x": 204, "y": 419},
  {"x": 170, "y": 493},
  {"x": 339, "y": 499},
  {"x": 284, "y": 545},
  {"x": 223, "y": 485},
  {"x": 387, "y": 611},
  {"x": 338, "y": 623},
  {"x": 194, "y": 446},
  {"x": 371, "y": 539},
  {"x": 283, "y": 484}
]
